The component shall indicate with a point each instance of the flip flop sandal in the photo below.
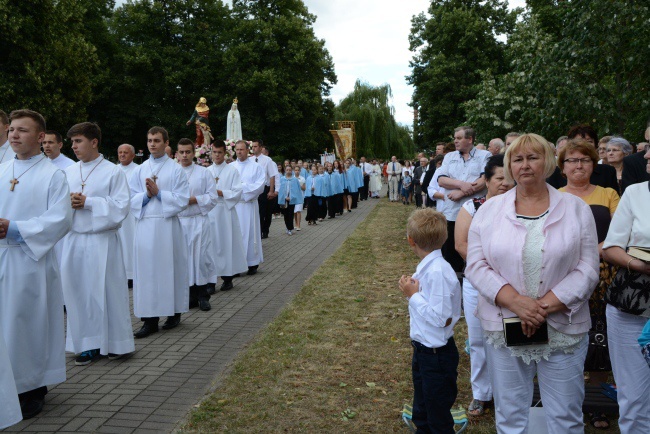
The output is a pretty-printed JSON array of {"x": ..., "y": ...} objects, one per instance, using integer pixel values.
[
  {"x": 476, "y": 408},
  {"x": 594, "y": 418}
]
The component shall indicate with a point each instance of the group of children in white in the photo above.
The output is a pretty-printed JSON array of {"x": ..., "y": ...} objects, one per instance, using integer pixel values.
[{"x": 75, "y": 237}]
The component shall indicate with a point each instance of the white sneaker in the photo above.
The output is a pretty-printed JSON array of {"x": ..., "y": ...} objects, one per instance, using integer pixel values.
[
  {"x": 289, "y": 233},
  {"x": 297, "y": 229}
]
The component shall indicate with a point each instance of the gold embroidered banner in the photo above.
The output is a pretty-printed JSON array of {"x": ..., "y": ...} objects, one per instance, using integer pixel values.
[{"x": 343, "y": 142}]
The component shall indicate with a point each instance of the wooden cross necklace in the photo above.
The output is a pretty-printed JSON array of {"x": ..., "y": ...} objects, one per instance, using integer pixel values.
[
  {"x": 83, "y": 181},
  {"x": 154, "y": 176},
  {"x": 216, "y": 179},
  {"x": 14, "y": 181}
]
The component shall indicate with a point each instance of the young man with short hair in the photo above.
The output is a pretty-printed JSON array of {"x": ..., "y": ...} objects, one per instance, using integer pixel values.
[
  {"x": 228, "y": 251},
  {"x": 159, "y": 192},
  {"x": 196, "y": 226},
  {"x": 35, "y": 213},
  {"x": 52, "y": 145},
  {"x": 95, "y": 288}
]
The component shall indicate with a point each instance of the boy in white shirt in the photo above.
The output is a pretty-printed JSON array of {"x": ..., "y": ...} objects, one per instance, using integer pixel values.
[{"x": 434, "y": 308}]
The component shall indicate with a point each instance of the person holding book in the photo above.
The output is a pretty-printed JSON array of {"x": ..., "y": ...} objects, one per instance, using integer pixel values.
[
  {"x": 577, "y": 160},
  {"x": 434, "y": 295},
  {"x": 535, "y": 266},
  {"x": 628, "y": 304}
]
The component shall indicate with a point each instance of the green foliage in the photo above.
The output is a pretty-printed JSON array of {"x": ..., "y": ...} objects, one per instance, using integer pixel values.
[
  {"x": 149, "y": 61},
  {"x": 451, "y": 46},
  {"x": 46, "y": 62},
  {"x": 378, "y": 134},
  {"x": 571, "y": 62}
]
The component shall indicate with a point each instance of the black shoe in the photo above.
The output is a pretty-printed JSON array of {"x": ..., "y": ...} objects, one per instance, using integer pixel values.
[
  {"x": 193, "y": 303},
  {"x": 265, "y": 235},
  {"x": 30, "y": 407},
  {"x": 204, "y": 305},
  {"x": 172, "y": 321},
  {"x": 226, "y": 286},
  {"x": 86, "y": 358},
  {"x": 146, "y": 330},
  {"x": 252, "y": 270},
  {"x": 212, "y": 288}
]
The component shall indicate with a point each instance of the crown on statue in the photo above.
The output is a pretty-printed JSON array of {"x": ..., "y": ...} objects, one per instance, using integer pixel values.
[{"x": 235, "y": 101}]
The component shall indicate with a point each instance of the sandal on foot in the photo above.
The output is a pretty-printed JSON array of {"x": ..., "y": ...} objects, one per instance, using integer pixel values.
[
  {"x": 598, "y": 418},
  {"x": 476, "y": 408}
]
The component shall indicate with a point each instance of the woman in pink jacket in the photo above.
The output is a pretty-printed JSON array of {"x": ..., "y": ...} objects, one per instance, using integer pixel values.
[{"x": 537, "y": 260}]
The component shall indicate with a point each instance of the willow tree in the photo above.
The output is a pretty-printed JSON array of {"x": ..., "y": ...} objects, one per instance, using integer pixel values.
[{"x": 378, "y": 134}]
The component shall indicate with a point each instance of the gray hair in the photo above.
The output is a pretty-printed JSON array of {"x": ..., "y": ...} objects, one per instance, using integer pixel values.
[
  {"x": 624, "y": 144},
  {"x": 469, "y": 132},
  {"x": 559, "y": 139},
  {"x": 497, "y": 142},
  {"x": 129, "y": 146}
]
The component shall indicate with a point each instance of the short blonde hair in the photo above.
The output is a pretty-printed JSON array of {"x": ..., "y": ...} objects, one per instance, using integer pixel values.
[
  {"x": 535, "y": 143},
  {"x": 427, "y": 228},
  {"x": 581, "y": 145}
]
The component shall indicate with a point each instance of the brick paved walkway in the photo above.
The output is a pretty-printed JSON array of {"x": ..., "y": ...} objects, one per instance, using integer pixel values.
[{"x": 154, "y": 389}]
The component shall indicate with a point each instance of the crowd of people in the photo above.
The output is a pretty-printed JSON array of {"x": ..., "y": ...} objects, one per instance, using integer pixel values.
[
  {"x": 77, "y": 235},
  {"x": 548, "y": 241}
]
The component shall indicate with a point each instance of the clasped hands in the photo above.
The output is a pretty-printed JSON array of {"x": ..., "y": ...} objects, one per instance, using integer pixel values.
[
  {"x": 4, "y": 227},
  {"x": 533, "y": 313},
  {"x": 78, "y": 200},
  {"x": 152, "y": 188}
]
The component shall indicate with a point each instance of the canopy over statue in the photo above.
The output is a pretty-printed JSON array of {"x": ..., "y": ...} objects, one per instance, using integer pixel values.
[
  {"x": 200, "y": 119},
  {"x": 233, "y": 123}
]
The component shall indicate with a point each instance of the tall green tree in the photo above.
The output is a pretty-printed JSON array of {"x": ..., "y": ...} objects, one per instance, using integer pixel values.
[
  {"x": 452, "y": 45},
  {"x": 571, "y": 62},
  {"x": 46, "y": 63},
  {"x": 377, "y": 132},
  {"x": 282, "y": 75}
]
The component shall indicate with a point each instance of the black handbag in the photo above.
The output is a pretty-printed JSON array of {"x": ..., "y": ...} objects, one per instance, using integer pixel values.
[{"x": 598, "y": 352}]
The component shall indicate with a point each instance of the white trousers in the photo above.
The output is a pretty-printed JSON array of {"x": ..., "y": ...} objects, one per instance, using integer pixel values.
[
  {"x": 631, "y": 372},
  {"x": 480, "y": 375},
  {"x": 561, "y": 383},
  {"x": 393, "y": 190}
]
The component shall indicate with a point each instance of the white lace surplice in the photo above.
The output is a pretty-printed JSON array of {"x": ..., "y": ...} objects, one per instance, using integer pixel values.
[{"x": 532, "y": 259}]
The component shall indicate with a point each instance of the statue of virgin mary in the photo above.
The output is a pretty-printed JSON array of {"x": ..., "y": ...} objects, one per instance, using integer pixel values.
[{"x": 233, "y": 124}]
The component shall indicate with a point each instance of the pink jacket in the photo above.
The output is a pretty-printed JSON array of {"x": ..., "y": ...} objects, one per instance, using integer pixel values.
[{"x": 570, "y": 264}]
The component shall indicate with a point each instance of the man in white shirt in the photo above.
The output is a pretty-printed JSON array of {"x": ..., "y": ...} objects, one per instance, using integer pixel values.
[
  {"x": 35, "y": 213},
  {"x": 125, "y": 155},
  {"x": 159, "y": 192},
  {"x": 52, "y": 145},
  {"x": 93, "y": 277},
  {"x": 267, "y": 197},
  {"x": 394, "y": 172},
  {"x": 6, "y": 153},
  {"x": 252, "y": 179},
  {"x": 196, "y": 226},
  {"x": 461, "y": 174}
]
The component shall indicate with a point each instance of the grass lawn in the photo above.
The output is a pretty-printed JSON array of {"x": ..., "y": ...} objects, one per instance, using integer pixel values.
[{"x": 337, "y": 360}]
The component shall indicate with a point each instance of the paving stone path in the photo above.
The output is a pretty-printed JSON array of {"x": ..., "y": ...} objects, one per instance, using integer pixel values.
[{"x": 171, "y": 371}]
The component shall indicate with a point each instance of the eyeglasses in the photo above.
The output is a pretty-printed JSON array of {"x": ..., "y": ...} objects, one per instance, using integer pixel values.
[
  {"x": 584, "y": 161},
  {"x": 614, "y": 150}
]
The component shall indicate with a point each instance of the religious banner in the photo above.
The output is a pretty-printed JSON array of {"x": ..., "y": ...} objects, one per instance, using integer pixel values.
[
  {"x": 343, "y": 142},
  {"x": 327, "y": 158}
]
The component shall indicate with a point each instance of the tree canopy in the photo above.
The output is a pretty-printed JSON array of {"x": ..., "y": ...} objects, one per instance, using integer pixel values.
[
  {"x": 147, "y": 62},
  {"x": 563, "y": 63}
]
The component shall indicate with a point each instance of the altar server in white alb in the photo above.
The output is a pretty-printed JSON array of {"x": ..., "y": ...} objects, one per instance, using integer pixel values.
[
  {"x": 228, "y": 253},
  {"x": 9, "y": 405},
  {"x": 196, "y": 225},
  {"x": 52, "y": 145},
  {"x": 159, "y": 192},
  {"x": 94, "y": 281},
  {"x": 35, "y": 213},
  {"x": 6, "y": 153},
  {"x": 253, "y": 179},
  {"x": 126, "y": 154}
]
